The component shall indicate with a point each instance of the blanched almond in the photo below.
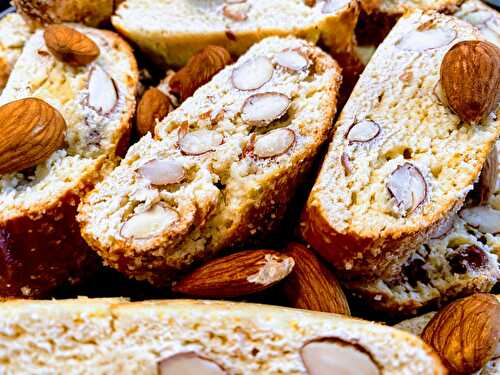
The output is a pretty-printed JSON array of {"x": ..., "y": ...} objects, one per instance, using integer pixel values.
[
  {"x": 363, "y": 131},
  {"x": 263, "y": 108},
  {"x": 426, "y": 39},
  {"x": 149, "y": 223},
  {"x": 331, "y": 6},
  {"x": 200, "y": 141},
  {"x": 163, "y": 172},
  {"x": 328, "y": 356},
  {"x": 274, "y": 143},
  {"x": 484, "y": 218},
  {"x": 103, "y": 95},
  {"x": 292, "y": 59},
  {"x": 478, "y": 17},
  {"x": 252, "y": 74},
  {"x": 236, "y": 11},
  {"x": 408, "y": 187},
  {"x": 189, "y": 363}
]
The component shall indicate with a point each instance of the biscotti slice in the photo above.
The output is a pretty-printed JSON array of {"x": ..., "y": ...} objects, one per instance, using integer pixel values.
[
  {"x": 485, "y": 18},
  {"x": 86, "y": 336},
  {"x": 177, "y": 29},
  {"x": 221, "y": 168},
  {"x": 40, "y": 242},
  {"x": 13, "y": 34},
  {"x": 401, "y": 162},
  {"x": 42, "y": 12},
  {"x": 378, "y": 17}
]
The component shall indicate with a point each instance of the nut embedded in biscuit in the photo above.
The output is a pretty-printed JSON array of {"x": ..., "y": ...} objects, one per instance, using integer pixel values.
[
  {"x": 149, "y": 223},
  {"x": 237, "y": 11},
  {"x": 102, "y": 91},
  {"x": 478, "y": 17},
  {"x": 274, "y": 143},
  {"x": 484, "y": 218},
  {"x": 292, "y": 59},
  {"x": 328, "y": 356},
  {"x": 408, "y": 187},
  {"x": 252, "y": 74},
  {"x": 154, "y": 105},
  {"x": 189, "y": 363},
  {"x": 162, "y": 172},
  {"x": 421, "y": 40},
  {"x": 263, "y": 108},
  {"x": 200, "y": 141},
  {"x": 363, "y": 131}
]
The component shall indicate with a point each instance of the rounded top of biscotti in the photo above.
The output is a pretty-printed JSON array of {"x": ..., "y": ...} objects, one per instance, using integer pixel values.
[
  {"x": 401, "y": 160},
  {"x": 96, "y": 101},
  {"x": 187, "y": 17}
]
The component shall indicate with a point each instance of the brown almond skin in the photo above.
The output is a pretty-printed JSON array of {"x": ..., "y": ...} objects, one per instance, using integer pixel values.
[
  {"x": 311, "y": 285},
  {"x": 200, "y": 69},
  {"x": 154, "y": 105},
  {"x": 470, "y": 77},
  {"x": 4, "y": 73},
  {"x": 32, "y": 130},
  {"x": 465, "y": 333},
  {"x": 70, "y": 46},
  {"x": 228, "y": 276}
]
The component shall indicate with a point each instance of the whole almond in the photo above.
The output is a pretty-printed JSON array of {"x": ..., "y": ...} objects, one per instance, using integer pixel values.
[
  {"x": 154, "y": 105},
  {"x": 470, "y": 78},
  {"x": 70, "y": 46},
  {"x": 236, "y": 275},
  {"x": 311, "y": 285},
  {"x": 466, "y": 332},
  {"x": 200, "y": 69},
  {"x": 32, "y": 130}
]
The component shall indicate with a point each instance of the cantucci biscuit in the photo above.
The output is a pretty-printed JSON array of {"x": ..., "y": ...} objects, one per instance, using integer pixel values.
[
  {"x": 86, "y": 336},
  {"x": 221, "y": 168},
  {"x": 40, "y": 241}
]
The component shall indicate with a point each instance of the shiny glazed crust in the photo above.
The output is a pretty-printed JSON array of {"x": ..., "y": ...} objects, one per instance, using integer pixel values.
[
  {"x": 40, "y": 243},
  {"x": 113, "y": 336}
]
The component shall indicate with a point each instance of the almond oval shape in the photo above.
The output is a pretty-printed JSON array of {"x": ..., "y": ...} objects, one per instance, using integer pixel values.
[
  {"x": 154, "y": 105},
  {"x": 363, "y": 131},
  {"x": 263, "y": 108},
  {"x": 149, "y": 223},
  {"x": 32, "y": 130},
  {"x": 252, "y": 74},
  {"x": 189, "y": 363},
  {"x": 470, "y": 77},
  {"x": 162, "y": 171},
  {"x": 103, "y": 95},
  {"x": 327, "y": 356},
  {"x": 292, "y": 59},
  {"x": 421, "y": 40},
  {"x": 70, "y": 46},
  {"x": 408, "y": 187},
  {"x": 200, "y": 141},
  {"x": 484, "y": 218},
  {"x": 274, "y": 143}
]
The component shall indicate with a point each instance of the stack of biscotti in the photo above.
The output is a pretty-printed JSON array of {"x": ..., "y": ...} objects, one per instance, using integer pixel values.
[
  {"x": 199, "y": 337},
  {"x": 65, "y": 115},
  {"x": 176, "y": 29},
  {"x": 401, "y": 161},
  {"x": 221, "y": 168}
]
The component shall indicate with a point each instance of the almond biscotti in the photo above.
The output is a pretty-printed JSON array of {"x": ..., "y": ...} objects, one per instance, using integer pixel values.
[
  {"x": 401, "y": 162},
  {"x": 86, "y": 336},
  {"x": 63, "y": 125},
  {"x": 221, "y": 168},
  {"x": 485, "y": 18},
  {"x": 177, "y": 29}
]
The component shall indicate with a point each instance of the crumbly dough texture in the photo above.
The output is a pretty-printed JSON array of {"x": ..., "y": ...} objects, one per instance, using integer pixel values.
[
  {"x": 351, "y": 218},
  {"x": 39, "y": 237},
  {"x": 177, "y": 29},
  {"x": 228, "y": 194},
  {"x": 115, "y": 337},
  {"x": 42, "y": 12}
]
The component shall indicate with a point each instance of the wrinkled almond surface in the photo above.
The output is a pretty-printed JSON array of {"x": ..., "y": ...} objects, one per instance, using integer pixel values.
[{"x": 153, "y": 106}]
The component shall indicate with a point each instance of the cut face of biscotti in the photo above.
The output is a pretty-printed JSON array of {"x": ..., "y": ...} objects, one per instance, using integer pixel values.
[
  {"x": 401, "y": 162},
  {"x": 221, "y": 168},
  {"x": 176, "y": 29},
  {"x": 39, "y": 237},
  {"x": 199, "y": 337},
  {"x": 485, "y": 18},
  {"x": 43, "y": 12},
  {"x": 377, "y": 17},
  {"x": 13, "y": 34}
]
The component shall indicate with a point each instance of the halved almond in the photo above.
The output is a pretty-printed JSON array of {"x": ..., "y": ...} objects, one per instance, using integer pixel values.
[
  {"x": 363, "y": 131},
  {"x": 484, "y": 218},
  {"x": 478, "y": 17},
  {"x": 346, "y": 164},
  {"x": 444, "y": 228},
  {"x": 408, "y": 187},
  {"x": 427, "y": 39},
  {"x": 331, "y": 6},
  {"x": 189, "y": 363},
  {"x": 236, "y": 11},
  {"x": 149, "y": 223},
  {"x": 326, "y": 356},
  {"x": 200, "y": 141},
  {"x": 292, "y": 59},
  {"x": 263, "y": 108},
  {"x": 252, "y": 74},
  {"x": 274, "y": 143},
  {"x": 163, "y": 171},
  {"x": 103, "y": 95}
]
